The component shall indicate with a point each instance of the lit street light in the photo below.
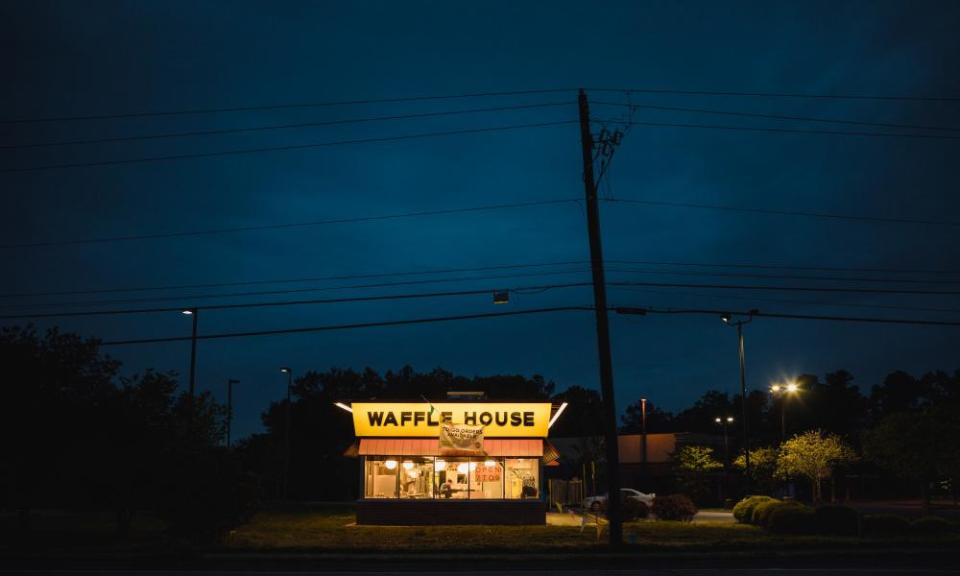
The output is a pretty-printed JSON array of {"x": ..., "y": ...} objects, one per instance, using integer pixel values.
[
  {"x": 726, "y": 442},
  {"x": 784, "y": 391}
]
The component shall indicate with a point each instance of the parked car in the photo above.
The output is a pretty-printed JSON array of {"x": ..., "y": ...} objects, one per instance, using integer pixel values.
[{"x": 595, "y": 503}]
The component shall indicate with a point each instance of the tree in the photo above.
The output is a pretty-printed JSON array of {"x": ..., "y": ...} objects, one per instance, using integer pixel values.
[
  {"x": 701, "y": 416},
  {"x": 658, "y": 420},
  {"x": 583, "y": 415},
  {"x": 813, "y": 455},
  {"x": 763, "y": 468},
  {"x": 693, "y": 464},
  {"x": 923, "y": 446}
]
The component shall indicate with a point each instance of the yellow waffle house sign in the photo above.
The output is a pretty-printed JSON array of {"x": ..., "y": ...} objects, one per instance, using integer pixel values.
[{"x": 419, "y": 419}]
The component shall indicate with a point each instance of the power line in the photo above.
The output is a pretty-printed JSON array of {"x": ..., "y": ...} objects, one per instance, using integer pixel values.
[
  {"x": 733, "y": 265},
  {"x": 787, "y": 276},
  {"x": 354, "y": 326},
  {"x": 401, "y": 99},
  {"x": 760, "y": 94},
  {"x": 379, "y": 298},
  {"x": 793, "y": 302},
  {"x": 349, "y": 220},
  {"x": 791, "y": 288},
  {"x": 618, "y": 283},
  {"x": 758, "y": 314},
  {"x": 283, "y": 148},
  {"x": 296, "y": 280},
  {"x": 190, "y": 111},
  {"x": 778, "y": 130},
  {"x": 775, "y": 116},
  {"x": 279, "y": 126},
  {"x": 194, "y": 298},
  {"x": 768, "y": 211},
  {"x": 786, "y": 267}
]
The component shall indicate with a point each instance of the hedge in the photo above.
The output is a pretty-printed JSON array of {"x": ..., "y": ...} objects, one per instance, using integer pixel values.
[
  {"x": 798, "y": 519},
  {"x": 932, "y": 525},
  {"x": 743, "y": 510},
  {"x": 837, "y": 520},
  {"x": 884, "y": 525},
  {"x": 762, "y": 512}
]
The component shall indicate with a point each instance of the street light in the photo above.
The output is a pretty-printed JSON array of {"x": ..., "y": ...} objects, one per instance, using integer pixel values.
[
  {"x": 727, "y": 319},
  {"x": 194, "y": 315},
  {"x": 286, "y": 432},
  {"x": 230, "y": 383},
  {"x": 726, "y": 442},
  {"x": 784, "y": 391}
]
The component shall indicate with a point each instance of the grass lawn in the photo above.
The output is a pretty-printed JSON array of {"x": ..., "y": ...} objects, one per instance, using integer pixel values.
[{"x": 333, "y": 530}]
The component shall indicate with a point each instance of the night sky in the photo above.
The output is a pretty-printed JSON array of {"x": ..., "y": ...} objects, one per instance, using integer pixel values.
[{"x": 90, "y": 58}]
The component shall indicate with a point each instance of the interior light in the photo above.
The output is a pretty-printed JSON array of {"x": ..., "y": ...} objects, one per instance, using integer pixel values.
[
  {"x": 188, "y": 312},
  {"x": 489, "y": 463},
  {"x": 439, "y": 465},
  {"x": 729, "y": 418},
  {"x": 390, "y": 464},
  {"x": 462, "y": 468},
  {"x": 408, "y": 465},
  {"x": 473, "y": 466}
]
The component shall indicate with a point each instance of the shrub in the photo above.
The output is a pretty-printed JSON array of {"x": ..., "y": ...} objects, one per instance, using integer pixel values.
[
  {"x": 762, "y": 512},
  {"x": 884, "y": 525},
  {"x": 743, "y": 511},
  {"x": 674, "y": 507},
  {"x": 837, "y": 520},
  {"x": 630, "y": 508},
  {"x": 797, "y": 519},
  {"x": 633, "y": 509},
  {"x": 932, "y": 525}
]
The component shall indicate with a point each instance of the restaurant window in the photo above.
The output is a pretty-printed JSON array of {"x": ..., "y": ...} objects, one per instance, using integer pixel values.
[
  {"x": 416, "y": 477},
  {"x": 453, "y": 478},
  {"x": 486, "y": 478},
  {"x": 380, "y": 477},
  {"x": 522, "y": 478}
]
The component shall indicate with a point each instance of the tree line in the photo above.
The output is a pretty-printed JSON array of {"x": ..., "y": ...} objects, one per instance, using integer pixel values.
[{"x": 77, "y": 433}]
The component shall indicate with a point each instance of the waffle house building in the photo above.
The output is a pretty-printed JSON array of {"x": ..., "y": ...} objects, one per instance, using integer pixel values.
[{"x": 464, "y": 462}]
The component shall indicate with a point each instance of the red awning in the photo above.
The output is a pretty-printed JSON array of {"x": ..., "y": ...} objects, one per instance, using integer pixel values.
[{"x": 509, "y": 447}]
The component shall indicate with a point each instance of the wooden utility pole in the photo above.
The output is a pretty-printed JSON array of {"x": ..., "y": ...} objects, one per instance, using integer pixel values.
[{"x": 603, "y": 328}]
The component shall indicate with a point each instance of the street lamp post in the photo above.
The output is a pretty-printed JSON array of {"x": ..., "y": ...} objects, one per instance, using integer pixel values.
[
  {"x": 784, "y": 391},
  {"x": 286, "y": 433},
  {"x": 728, "y": 320},
  {"x": 194, "y": 315},
  {"x": 230, "y": 383},
  {"x": 643, "y": 429},
  {"x": 726, "y": 441}
]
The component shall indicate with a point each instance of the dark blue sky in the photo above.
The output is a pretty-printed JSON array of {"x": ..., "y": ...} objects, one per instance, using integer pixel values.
[{"x": 75, "y": 58}]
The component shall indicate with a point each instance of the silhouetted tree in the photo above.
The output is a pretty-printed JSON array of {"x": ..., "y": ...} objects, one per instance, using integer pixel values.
[{"x": 658, "y": 420}]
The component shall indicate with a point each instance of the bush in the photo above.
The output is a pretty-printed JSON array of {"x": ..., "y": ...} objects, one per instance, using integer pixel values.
[
  {"x": 797, "y": 519},
  {"x": 762, "y": 512},
  {"x": 837, "y": 520},
  {"x": 674, "y": 507},
  {"x": 743, "y": 511},
  {"x": 633, "y": 509},
  {"x": 932, "y": 525},
  {"x": 884, "y": 525},
  {"x": 630, "y": 508}
]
